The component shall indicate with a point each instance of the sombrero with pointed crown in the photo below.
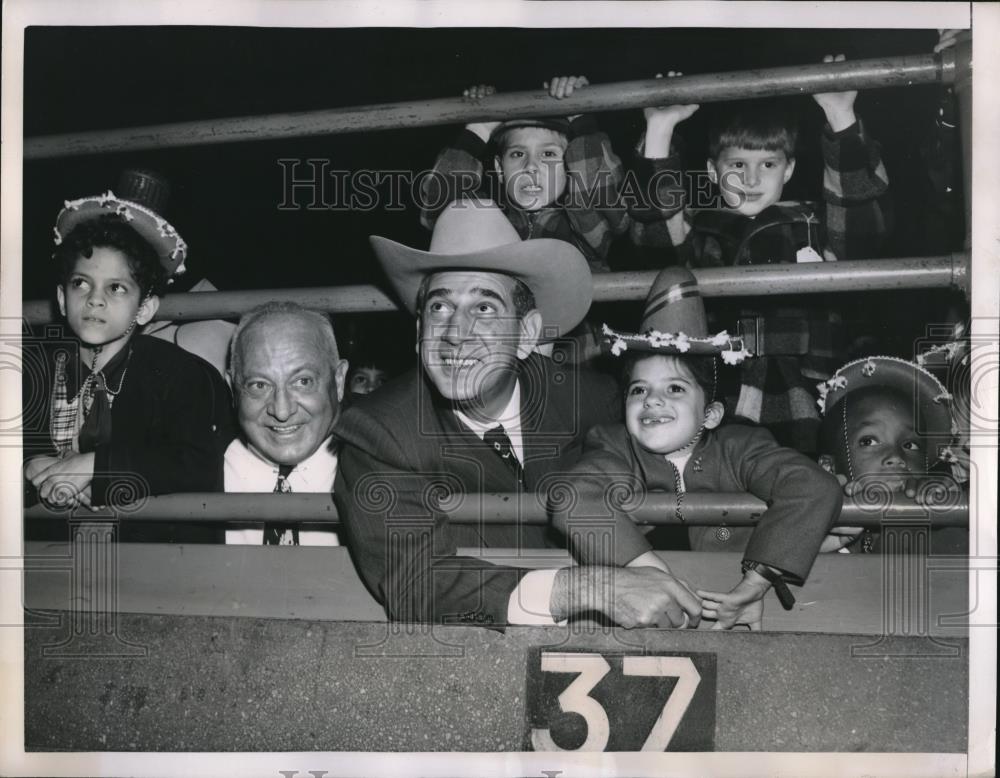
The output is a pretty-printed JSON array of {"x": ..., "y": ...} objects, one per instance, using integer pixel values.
[{"x": 674, "y": 322}]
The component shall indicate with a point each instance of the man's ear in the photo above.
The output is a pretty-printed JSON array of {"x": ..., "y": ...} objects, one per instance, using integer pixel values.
[
  {"x": 713, "y": 415},
  {"x": 417, "y": 346},
  {"x": 147, "y": 310},
  {"x": 713, "y": 174},
  {"x": 61, "y": 297},
  {"x": 497, "y": 166},
  {"x": 531, "y": 331},
  {"x": 340, "y": 377},
  {"x": 789, "y": 170}
]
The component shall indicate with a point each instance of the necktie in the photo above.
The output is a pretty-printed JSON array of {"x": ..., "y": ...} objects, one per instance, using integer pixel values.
[
  {"x": 277, "y": 534},
  {"x": 497, "y": 439}
]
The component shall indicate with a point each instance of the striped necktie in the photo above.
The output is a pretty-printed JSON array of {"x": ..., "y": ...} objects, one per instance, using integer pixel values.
[{"x": 276, "y": 533}]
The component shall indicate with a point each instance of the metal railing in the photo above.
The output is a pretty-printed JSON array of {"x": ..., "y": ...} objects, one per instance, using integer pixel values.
[
  {"x": 941, "y": 272},
  {"x": 950, "y": 271},
  {"x": 655, "y": 508},
  {"x": 705, "y": 88}
]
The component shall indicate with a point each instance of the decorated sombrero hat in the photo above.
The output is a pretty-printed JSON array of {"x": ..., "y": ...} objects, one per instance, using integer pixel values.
[
  {"x": 475, "y": 235},
  {"x": 931, "y": 401},
  {"x": 674, "y": 322},
  {"x": 140, "y": 199}
]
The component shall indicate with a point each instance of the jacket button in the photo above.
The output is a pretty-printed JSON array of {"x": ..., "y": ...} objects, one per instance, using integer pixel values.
[{"x": 723, "y": 534}]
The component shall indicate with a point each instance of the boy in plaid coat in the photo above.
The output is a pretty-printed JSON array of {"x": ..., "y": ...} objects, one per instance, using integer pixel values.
[
  {"x": 560, "y": 178},
  {"x": 752, "y": 157}
]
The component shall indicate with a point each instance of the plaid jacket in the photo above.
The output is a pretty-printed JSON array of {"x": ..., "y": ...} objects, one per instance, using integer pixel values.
[
  {"x": 588, "y": 214},
  {"x": 854, "y": 220}
]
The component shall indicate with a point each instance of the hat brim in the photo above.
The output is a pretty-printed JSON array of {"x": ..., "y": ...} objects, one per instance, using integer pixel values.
[
  {"x": 675, "y": 344},
  {"x": 931, "y": 399},
  {"x": 554, "y": 123},
  {"x": 155, "y": 230},
  {"x": 555, "y": 271}
]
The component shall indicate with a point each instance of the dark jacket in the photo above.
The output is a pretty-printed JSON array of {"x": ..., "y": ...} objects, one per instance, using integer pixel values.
[
  {"x": 403, "y": 445},
  {"x": 803, "y": 500},
  {"x": 169, "y": 428}
]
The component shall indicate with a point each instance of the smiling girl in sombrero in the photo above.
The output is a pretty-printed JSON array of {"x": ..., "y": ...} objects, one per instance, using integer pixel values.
[{"x": 673, "y": 440}]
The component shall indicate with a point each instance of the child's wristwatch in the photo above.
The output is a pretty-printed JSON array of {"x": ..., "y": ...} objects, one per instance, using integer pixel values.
[{"x": 776, "y": 579}]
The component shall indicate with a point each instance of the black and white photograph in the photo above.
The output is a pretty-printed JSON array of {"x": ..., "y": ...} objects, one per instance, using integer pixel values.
[{"x": 516, "y": 389}]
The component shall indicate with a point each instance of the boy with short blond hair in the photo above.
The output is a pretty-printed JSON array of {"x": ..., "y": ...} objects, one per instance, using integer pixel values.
[{"x": 751, "y": 158}]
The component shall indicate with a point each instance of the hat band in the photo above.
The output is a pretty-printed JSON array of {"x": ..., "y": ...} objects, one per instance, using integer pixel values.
[{"x": 671, "y": 295}]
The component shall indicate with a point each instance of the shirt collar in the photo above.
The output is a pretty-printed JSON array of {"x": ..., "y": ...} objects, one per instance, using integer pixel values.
[
  {"x": 322, "y": 460},
  {"x": 509, "y": 417}
]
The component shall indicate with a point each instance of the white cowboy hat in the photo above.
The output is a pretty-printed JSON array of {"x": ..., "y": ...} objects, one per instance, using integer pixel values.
[{"x": 475, "y": 235}]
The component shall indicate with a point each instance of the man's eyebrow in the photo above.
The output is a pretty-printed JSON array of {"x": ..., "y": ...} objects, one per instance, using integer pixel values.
[
  {"x": 440, "y": 291},
  {"x": 482, "y": 291}
]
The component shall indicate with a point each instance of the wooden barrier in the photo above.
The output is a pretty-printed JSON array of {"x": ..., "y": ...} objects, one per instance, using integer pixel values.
[{"x": 215, "y": 648}]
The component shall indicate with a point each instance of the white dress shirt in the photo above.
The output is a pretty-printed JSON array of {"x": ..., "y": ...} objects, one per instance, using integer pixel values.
[
  {"x": 529, "y": 602},
  {"x": 510, "y": 418},
  {"x": 246, "y": 471}
]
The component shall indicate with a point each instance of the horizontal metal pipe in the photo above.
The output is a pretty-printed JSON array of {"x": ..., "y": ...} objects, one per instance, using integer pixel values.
[
  {"x": 820, "y": 277},
  {"x": 706, "y": 88},
  {"x": 734, "y": 510}
]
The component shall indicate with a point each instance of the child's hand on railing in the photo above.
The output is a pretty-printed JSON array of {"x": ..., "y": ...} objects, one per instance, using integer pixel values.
[
  {"x": 948, "y": 38},
  {"x": 838, "y": 106},
  {"x": 563, "y": 86},
  {"x": 743, "y": 605},
  {"x": 661, "y": 121},
  {"x": 475, "y": 93},
  {"x": 65, "y": 481}
]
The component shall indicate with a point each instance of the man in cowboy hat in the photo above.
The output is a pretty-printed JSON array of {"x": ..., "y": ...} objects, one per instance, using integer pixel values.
[{"x": 482, "y": 413}]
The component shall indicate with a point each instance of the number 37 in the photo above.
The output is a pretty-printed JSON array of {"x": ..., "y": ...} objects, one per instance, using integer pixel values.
[{"x": 591, "y": 668}]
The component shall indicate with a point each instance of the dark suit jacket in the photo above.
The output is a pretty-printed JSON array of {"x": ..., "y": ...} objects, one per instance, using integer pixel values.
[
  {"x": 803, "y": 500},
  {"x": 402, "y": 443},
  {"x": 169, "y": 428}
]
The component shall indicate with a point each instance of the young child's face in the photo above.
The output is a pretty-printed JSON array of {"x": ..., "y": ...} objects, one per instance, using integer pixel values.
[
  {"x": 664, "y": 405},
  {"x": 101, "y": 298},
  {"x": 882, "y": 440},
  {"x": 364, "y": 380},
  {"x": 534, "y": 175},
  {"x": 751, "y": 180}
]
